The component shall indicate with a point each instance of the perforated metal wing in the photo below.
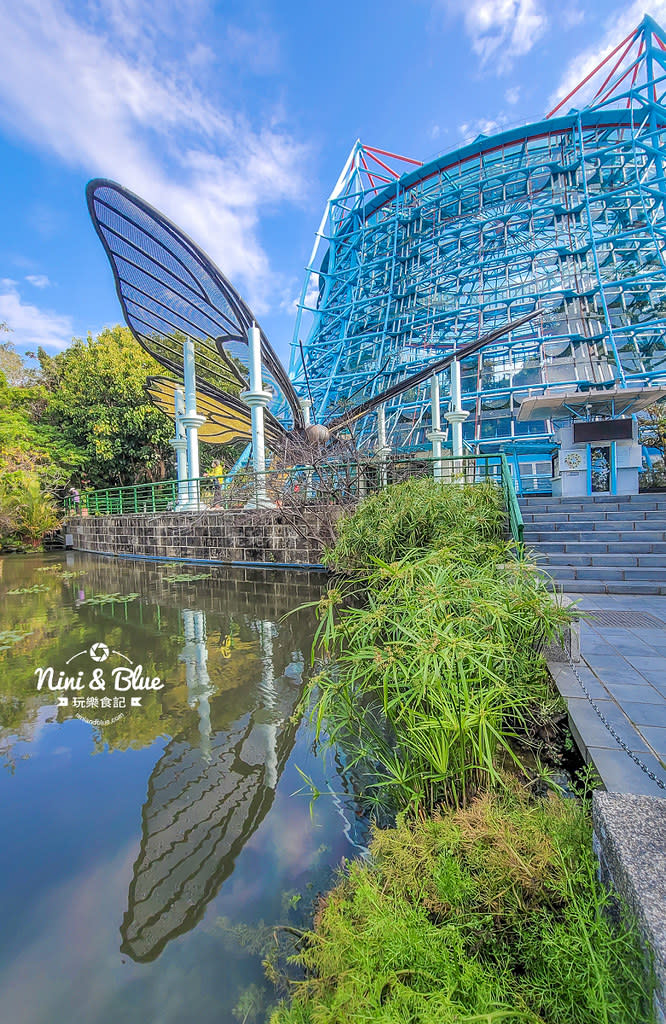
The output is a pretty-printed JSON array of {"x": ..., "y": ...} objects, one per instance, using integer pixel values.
[
  {"x": 170, "y": 290},
  {"x": 227, "y": 418}
]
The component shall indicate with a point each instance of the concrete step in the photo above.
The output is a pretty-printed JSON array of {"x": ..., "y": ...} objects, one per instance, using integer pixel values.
[
  {"x": 643, "y": 574},
  {"x": 593, "y": 525},
  {"x": 595, "y": 547},
  {"x": 536, "y": 536},
  {"x": 593, "y": 506},
  {"x": 613, "y": 587},
  {"x": 602, "y": 559},
  {"x": 645, "y": 497},
  {"x": 597, "y": 516}
]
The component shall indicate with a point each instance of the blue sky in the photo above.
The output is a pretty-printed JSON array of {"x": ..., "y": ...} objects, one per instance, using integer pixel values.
[{"x": 235, "y": 119}]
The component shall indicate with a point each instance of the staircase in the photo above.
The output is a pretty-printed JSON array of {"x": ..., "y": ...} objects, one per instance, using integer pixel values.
[{"x": 601, "y": 545}]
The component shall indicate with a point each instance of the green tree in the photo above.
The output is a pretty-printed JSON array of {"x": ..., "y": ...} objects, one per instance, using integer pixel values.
[
  {"x": 35, "y": 465},
  {"x": 653, "y": 428},
  {"x": 96, "y": 399},
  {"x": 11, "y": 362}
]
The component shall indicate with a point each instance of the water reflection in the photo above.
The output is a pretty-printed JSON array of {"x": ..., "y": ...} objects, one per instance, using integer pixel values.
[
  {"x": 195, "y": 658},
  {"x": 184, "y": 817},
  {"x": 205, "y": 800}
]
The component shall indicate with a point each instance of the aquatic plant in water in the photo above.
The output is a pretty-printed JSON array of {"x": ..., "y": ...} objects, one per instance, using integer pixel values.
[
  {"x": 102, "y": 599},
  {"x": 187, "y": 577},
  {"x": 10, "y": 637},
  {"x": 36, "y": 588},
  {"x": 420, "y": 515}
]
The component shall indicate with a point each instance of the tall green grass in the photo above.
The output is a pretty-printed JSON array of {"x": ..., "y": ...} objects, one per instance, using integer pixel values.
[
  {"x": 419, "y": 515},
  {"x": 435, "y": 663},
  {"x": 488, "y": 914}
]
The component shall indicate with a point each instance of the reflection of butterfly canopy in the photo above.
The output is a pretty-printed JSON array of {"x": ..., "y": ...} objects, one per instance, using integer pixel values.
[
  {"x": 197, "y": 818},
  {"x": 170, "y": 291}
]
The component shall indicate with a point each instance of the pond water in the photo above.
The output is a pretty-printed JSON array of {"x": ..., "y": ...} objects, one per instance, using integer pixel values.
[{"x": 151, "y": 840}]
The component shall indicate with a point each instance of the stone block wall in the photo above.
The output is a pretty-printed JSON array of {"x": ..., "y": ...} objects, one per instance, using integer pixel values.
[{"x": 269, "y": 537}]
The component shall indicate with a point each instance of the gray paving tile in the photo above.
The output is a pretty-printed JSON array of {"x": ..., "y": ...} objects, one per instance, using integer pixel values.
[
  {"x": 654, "y": 669},
  {"x": 568, "y": 685},
  {"x": 611, "y": 660},
  {"x": 646, "y": 714},
  {"x": 651, "y": 663},
  {"x": 651, "y": 636},
  {"x": 641, "y": 693},
  {"x": 631, "y": 646},
  {"x": 656, "y": 738},
  {"x": 659, "y": 649},
  {"x": 619, "y": 672},
  {"x": 656, "y": 679},
  {"x": 596, "y": 645},
  {"x": 592, "y": 732},
  {"x": 619, "y": 774}
]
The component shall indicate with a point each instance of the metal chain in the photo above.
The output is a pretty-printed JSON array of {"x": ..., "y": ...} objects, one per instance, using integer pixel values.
[{"x": 618, "y": 739}]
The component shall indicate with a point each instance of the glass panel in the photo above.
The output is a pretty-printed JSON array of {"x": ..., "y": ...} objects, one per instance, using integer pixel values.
[{"x": 600, "y": 457}]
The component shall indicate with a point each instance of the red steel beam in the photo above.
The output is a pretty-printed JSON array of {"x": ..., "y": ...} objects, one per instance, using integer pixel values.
[
  {"x": 593, "y": 72},
  {"x": 394, "y": 156}
]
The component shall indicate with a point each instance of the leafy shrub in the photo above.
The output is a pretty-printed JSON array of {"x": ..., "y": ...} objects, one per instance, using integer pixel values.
[
  {"x": 489, "y": 914},
  {"x": 654, "y": 478},
  {"x": 27, "y": 511},
  {"x": 420, "y": 515},
  {"x": 433, "y": 672}
]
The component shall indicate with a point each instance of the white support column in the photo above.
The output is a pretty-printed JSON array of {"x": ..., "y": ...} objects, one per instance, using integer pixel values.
[
  {"x": 436, "y": 435},
  {"x": 456, "y": 416},
  {"x": 179, "y": 443},
  {"x": 305, "y": 405},
  {"x": 191, "y": 421},
  {"x": 257, "y": 399},
  {"x": 383, "y": 449}
]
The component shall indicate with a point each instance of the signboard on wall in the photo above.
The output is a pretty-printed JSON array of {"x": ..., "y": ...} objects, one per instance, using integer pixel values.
[{"x": 603, "y": 430}]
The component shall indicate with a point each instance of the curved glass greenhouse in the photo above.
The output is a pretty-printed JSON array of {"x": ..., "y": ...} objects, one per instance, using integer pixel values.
[{"x": 567, "y": 214}]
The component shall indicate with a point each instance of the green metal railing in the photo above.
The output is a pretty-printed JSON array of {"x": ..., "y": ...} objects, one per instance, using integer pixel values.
[
  {"x": 328, "y": 483},
  {"x": 512, "y": 507}
]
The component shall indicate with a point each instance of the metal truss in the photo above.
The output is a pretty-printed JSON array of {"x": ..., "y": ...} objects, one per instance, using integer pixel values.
[{"x": 412, "y": 261}]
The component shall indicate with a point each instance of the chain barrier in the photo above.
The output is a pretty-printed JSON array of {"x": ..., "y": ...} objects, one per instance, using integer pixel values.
[{"x": 618, "y": 739}]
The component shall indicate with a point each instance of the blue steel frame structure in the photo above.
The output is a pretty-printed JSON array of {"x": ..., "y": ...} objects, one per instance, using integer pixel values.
[{"x": 412, "y": 261}]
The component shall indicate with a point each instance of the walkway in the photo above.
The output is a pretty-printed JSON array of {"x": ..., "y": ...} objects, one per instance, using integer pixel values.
[{"x": 623, "y": 666}]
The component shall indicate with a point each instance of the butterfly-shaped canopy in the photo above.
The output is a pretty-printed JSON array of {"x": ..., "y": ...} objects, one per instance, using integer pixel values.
[{"x": 170, "y": 291}]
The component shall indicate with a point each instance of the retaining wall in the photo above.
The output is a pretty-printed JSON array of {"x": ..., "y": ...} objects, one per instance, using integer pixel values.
[{"x": 268, "y": 537}]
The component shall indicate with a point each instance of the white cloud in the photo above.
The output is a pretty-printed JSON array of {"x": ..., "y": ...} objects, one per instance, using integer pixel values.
[
  {"x": 38, "y": 280},
  {"x": 500, "y": 30},
  {"x": 80, "y": 92},
  {"x": 291, "y": 298},
  {"x": 571, "y": 16},
  {"x": 614, "y": 30},
  {"x": 258, "y": 50},
  {"x": 482, "y": 126},
  {"x": 512, "y": 95},
  {"x": 30, "y": 325}
]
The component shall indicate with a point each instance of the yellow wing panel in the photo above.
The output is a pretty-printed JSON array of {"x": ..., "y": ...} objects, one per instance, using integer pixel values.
[{"x": 227, "y": 417}]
